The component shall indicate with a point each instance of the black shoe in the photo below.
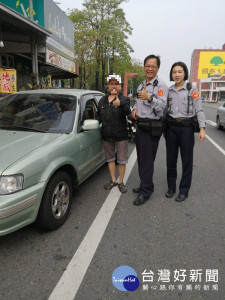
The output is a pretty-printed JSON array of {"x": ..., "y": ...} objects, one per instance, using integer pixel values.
[
  {"x": 140, "y": 200},
  {"x": 170, "y": 193},
  {"x": 136, "y": 190},
  {"x": 181, "y": 197}
]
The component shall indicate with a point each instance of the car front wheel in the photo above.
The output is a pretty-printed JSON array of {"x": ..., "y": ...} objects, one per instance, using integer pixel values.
[
  {"x": 56, "y": 202},
  {"x": 218, "y": 123}
]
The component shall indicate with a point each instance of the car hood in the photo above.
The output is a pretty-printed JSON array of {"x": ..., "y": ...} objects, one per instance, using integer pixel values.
[{"x": 17, "y": 144}]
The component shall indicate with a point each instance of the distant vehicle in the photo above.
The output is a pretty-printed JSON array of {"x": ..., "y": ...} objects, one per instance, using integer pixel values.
[
  {"x": 220, "y": 117},
  {"x": 50, "y": 142},
  {"x": 131, "y": 128}
]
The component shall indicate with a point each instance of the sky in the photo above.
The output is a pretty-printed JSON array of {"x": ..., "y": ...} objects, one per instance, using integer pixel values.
[{"x": 171, "y": 29}]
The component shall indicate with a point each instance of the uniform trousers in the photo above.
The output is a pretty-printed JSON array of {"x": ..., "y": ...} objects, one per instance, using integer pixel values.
[
  {"x": 146, "y": 147},
  {"x": 182, "y": 138}
]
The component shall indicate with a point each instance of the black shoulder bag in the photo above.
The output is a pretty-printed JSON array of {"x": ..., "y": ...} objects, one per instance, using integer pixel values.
[{"x": 195, "y": 123}]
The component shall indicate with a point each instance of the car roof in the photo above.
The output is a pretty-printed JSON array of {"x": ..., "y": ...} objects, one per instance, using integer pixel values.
[{"x": 73, "y": 92}]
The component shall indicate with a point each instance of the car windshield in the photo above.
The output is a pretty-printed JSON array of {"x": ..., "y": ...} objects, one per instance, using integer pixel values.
[{"x": 38, "y": 112}]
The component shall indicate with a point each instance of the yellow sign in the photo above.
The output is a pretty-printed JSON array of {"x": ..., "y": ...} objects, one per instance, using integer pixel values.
[
  {"x": 211, "y": 64},
  {"x": 8, "y": 81}
]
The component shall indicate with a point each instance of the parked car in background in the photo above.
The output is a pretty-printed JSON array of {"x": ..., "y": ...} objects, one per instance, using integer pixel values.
[
  {"x": 220, "y": 117},
  {"x": 50, "y": 142}
]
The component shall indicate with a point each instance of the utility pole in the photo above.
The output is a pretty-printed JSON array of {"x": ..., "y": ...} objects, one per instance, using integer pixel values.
[
  {"x": 31, "y": 9},
  {"x": 34, "y": 47},
  {"x": 126, "y": 76}
]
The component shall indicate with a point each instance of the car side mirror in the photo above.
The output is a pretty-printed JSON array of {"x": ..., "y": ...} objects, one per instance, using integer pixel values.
[{"x": 90, "y": 125}]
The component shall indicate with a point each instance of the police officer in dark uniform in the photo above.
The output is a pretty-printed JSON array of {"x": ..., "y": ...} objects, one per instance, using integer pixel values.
[
  {"x": 148, "y": 110},
  {"x": 183, "y": 104}
]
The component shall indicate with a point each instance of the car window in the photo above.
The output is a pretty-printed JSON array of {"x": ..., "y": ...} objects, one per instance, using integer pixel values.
[
  {"x": 38, "y": 112},
  {"x": 98, "y": 97},
  {"x": 90, "y": 110}
]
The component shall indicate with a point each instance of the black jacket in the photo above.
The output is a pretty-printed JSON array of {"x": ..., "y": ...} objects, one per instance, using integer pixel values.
[{"x": 113, "y": 119}]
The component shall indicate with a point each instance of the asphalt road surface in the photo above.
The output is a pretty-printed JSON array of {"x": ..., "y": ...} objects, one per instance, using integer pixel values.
[{"x": 175, "y": 249}]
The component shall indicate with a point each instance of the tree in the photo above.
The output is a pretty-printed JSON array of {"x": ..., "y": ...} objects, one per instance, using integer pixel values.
[
  {"x": 216, "y": 60},
  {"x": 83, "y": 46},
  {"x": 101, "y": 33}
]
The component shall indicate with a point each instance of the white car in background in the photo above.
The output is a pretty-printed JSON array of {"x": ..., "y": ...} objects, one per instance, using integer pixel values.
[{"x": 220, "y": 117}]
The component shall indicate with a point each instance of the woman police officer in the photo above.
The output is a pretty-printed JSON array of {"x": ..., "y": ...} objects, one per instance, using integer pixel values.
[{"x": 183, "y": 104}]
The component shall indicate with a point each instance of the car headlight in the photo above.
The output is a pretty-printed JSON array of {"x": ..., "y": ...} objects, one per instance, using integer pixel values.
[{"x": 11, "y": 184}]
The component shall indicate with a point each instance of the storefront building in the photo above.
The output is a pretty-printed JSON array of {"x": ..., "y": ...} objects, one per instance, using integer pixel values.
[
  {"x": 37, "y": 48},
  {"x": 208, "y": 73}
]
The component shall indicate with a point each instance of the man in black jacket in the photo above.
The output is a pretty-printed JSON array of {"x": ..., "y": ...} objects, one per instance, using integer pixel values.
[{"x": 113, "y": 109}]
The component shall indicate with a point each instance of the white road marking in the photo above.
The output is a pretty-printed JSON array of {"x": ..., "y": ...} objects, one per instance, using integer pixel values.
[
  {"x": 211, "y": 140},
  {"x": 72, "y": 277},
  {"x": 210, "y": 122},
  {"x": 215, "y": 144}
]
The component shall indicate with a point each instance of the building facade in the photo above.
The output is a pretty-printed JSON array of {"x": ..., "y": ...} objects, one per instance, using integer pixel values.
[
  {"x": 208, "y": 73},
  {"x": 36, "y": 44}
]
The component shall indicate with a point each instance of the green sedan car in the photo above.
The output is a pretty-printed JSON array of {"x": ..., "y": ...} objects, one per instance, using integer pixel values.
[{"x": 50, "y": 142}]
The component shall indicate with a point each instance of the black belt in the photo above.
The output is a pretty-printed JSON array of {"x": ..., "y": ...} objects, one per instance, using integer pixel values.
[
  {"x": 179, "y": 121},
  {"x": 182, "y": 120},
  {"x": 147, "y": 120}
]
